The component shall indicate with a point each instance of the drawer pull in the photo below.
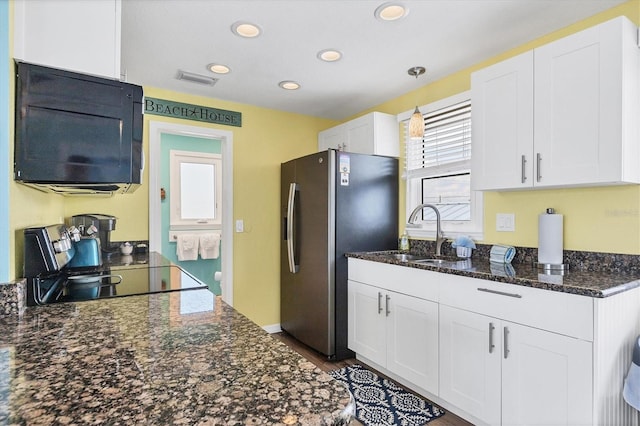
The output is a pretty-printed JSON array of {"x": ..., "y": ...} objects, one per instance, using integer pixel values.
[
  {"x": 491, "y": 344},
  {"x": 379, "y": 302},
  {"x": 501, "y": 293},
  {"x": 506, "y": 342},
  {"x": 387, "y": 304}
]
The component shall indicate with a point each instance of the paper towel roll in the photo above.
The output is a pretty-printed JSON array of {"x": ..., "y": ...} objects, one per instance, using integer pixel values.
[{"x": 550, "y": 238}]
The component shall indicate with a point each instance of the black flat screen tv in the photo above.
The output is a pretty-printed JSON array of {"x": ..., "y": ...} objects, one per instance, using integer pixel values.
[{"x": 76, "y": 133}]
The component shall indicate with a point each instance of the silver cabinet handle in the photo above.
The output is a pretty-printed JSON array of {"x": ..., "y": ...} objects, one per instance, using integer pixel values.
[
  {"x": 501, "y": 293},
  {"x": 505, "y": 342},
  {"x": 491, "y": 344},
  {"x": 379, "y": 302},
  {"x": 387, "y": 305},
  {"x": 291, "y": 249},
  {"x": 524, "y": 172},
  {"x": 538, "y": 161}
]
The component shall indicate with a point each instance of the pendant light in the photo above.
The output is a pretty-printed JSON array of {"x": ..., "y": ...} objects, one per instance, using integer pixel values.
[{"x": 416, "y": 123}]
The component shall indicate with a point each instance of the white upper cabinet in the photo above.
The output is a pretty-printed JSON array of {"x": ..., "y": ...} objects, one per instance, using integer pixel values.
[
  {"x": 564, "y": 114},
  {"x": 502, "y": 124},
  {"x": 80, "y": 36},
  {"x": 373, "y": 133}
]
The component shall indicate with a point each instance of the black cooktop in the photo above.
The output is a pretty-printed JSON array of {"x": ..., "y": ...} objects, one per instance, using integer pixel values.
[{"x": 87, "y": 284}]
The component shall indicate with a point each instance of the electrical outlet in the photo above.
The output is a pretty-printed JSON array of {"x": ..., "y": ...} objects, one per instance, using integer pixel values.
[
  {"x": 239, "y": 225},
  {"x": 505, "y": 222}
]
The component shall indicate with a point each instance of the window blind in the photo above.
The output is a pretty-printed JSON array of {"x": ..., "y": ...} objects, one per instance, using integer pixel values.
[{"x": 446, "y": 145}]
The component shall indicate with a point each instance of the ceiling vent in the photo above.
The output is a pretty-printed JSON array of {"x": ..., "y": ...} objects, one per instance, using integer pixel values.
[{"x": 196, "y": 78}]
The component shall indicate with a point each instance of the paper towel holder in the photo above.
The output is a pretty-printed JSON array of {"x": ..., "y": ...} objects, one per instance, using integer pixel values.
[{"x": 552, "y": 268}]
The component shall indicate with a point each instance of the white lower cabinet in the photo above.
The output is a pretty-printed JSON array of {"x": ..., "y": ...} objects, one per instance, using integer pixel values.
[
  {"x": 496, "y": 353},
  {"x": 367, "y": 326},
  {"x": 470, "y": 363},
  {"x": 396, "y": 331},
  {"x": 506, "y": 373},
  {"x": 546, "y": 378}
]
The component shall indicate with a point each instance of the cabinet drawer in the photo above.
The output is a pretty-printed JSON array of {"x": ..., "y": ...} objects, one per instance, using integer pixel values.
[
  {"x": 563, "y": 313},
  {"x": 401, "y": 279}
]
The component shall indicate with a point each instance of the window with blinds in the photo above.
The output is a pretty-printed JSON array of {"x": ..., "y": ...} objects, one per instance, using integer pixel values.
[
  {"x": 446, "y": 145},
  {"x": 439, "y": 163}
]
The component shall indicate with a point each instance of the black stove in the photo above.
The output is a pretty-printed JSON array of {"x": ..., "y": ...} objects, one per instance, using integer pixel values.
[{"x": 47, "y": 252}]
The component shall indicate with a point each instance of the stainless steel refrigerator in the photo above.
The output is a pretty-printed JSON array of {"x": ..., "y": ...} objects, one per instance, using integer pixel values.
[{"x": 332, "y": 203}]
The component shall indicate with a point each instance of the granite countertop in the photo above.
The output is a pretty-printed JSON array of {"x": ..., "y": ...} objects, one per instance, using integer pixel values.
[
  {"x": 586, "y": 283},
  {"x": 116, "y": 260},
  {"x": 168, "y": 358}
]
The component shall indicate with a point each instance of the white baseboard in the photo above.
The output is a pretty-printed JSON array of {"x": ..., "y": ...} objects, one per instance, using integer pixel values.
[{"x": 273, "y": 328}]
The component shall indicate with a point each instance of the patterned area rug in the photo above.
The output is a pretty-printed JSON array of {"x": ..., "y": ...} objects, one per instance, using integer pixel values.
[{"x": 381, "y": 402}]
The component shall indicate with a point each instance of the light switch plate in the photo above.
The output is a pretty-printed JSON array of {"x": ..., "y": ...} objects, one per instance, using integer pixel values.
[
  {"x": 239, "y": 225},
  {"x": 505, "y": 222}
]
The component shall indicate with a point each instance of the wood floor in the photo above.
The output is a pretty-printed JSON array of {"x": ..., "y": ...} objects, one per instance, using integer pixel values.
[{"x": 449, "y": 419}]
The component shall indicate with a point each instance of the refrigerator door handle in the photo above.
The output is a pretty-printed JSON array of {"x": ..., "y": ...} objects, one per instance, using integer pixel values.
[{"x": 293, "y": 268}]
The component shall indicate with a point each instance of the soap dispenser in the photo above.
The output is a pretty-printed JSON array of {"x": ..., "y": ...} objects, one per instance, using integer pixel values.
[{"x": 404, "y": 241}]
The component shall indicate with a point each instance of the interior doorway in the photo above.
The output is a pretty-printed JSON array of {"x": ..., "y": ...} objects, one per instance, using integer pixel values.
[{"x": 194, "y": 135}]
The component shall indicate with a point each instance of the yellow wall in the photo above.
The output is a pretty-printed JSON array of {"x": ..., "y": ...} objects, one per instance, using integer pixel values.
[
  {"x": 596, "y": 219},
  {"x": 266, "y": 139}
]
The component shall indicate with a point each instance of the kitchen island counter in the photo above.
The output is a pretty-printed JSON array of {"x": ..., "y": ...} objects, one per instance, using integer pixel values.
[{"x": 168, "y": 358}]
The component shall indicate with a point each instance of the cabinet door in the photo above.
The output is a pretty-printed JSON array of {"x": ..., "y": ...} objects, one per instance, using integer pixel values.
[
  {"x": 366, "y": 324},
  {"x": 333, "y": 138},
  {"x": 412, "y": 339},
  {"x": 578, "y": 111},
  {"x": 374, "y": 133},
  {"x": 470, "y": 357},
  {"x": 502, "y": 132},
  {"x": 82, "y": 36},
  {"x": 352, "y": 136},
  {"x": 546, "y": 378},
  {"x": 360, "y": 135}
]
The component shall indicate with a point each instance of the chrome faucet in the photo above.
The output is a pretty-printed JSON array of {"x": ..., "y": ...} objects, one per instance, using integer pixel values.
[{"x": 439, "y": 235}]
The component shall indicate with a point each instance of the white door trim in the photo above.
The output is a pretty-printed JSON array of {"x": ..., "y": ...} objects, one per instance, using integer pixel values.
[{"x": 156, "y": 129}]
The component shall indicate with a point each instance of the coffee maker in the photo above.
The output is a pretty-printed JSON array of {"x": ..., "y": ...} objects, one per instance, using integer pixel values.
[{"x": 100, "y": 224}]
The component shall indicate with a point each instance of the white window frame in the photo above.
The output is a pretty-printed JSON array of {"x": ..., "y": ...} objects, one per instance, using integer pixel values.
[
  {"x": 177, "y": 222},
  {"x": 451, "y": 229}
]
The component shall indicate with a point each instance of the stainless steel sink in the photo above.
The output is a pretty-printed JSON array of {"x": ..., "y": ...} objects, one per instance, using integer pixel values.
[
  {"x": 435, "y": 262},
  {"x": 422, "y": 260},
  {"x": 404, "y": 257}
]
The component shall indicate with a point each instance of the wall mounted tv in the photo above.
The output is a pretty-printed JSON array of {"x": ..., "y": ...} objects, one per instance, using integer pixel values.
[{"x": 75, "y": 133}]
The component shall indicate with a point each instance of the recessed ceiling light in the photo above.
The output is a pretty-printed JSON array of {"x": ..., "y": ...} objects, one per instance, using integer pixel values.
[
  {"x": 330, "y": 55},
  {"x": 218, "y": 68},
  {"x": 391, "y": 11},
  {"x": 289, "y": 85},
  {"x": 246, "y": 29}
]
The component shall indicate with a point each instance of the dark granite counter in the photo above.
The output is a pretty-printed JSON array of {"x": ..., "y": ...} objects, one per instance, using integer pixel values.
[
  {"x": 169, "y": 358},
  {"x": 116, "y": 261},
  {"x": 586, "y": 283}
]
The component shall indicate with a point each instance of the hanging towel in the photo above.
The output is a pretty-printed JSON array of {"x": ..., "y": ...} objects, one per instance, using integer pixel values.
[
  {"x": 187, "y": 247},
  {"x": 210, "y": 245}
]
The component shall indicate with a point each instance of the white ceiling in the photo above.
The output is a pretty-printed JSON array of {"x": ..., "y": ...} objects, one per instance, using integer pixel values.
[{"x": 162, "y": 36}]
